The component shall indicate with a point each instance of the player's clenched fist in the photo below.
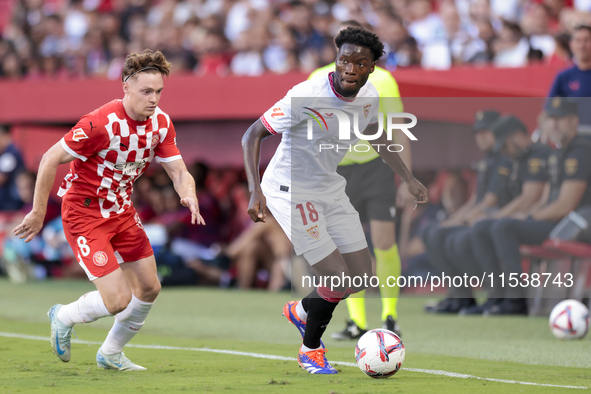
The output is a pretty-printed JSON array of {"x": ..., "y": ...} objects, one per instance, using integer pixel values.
[
  {"x": 256, "y": 207},
  {"x": 30, "y": 226},
  {"x": 417, "y": 189}
]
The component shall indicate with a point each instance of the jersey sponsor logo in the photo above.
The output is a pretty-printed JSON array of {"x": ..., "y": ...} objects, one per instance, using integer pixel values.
[
  {"x": 314, "y": 232},
  {"x": 131, "y": 168},
  {"x": 277, "y": 111},
  {"x": 366, "y": 110},
  {"x": 571, "y": 166},
  {"x": 78, "y": 135},
  {"x": 315, "y": 116},
  {"x": 574, "y": 85},
  {"x": 100, "y": 259}
]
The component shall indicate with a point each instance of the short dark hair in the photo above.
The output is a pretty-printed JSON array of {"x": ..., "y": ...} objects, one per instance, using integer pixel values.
[
  {"x": 582, "y": 27},
  {"x": 360, "y": 36},
  {"x": 4, "y": 128}
]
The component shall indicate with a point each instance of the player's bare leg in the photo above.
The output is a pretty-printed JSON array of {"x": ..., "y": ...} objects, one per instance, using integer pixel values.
[{"x": 144, "y": 288}]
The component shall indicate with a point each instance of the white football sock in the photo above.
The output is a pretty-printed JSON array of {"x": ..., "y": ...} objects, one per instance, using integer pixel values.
[
  {"x": 307, "y": 349},
  {"x": 302, "y": 314},
  {"x": 86, "y": 309},
  {"x": 127, "y": 324}
]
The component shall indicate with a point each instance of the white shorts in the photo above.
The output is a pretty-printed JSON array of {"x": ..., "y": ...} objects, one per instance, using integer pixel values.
[{"x": 316, "y": 225}]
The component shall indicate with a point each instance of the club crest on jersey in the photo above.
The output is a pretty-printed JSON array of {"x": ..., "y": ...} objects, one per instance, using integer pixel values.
[
  {"x": 314, "y": 232},
  {"x": 366, "y": 110},
  {"x": 155, "y": 140},
  {"x": 100, "y": 258},
  {"x": 78, "y": 135}
]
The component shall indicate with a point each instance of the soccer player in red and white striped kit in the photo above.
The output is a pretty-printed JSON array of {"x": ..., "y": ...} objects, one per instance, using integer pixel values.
[{"x": 108, "y": 150}]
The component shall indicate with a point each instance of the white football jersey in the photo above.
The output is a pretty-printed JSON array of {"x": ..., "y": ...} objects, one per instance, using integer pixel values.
[{"x": 307, "y": 157}]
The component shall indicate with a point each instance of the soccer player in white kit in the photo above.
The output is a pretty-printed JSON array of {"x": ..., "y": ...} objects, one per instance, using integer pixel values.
[{"x": 303, "y": 190}]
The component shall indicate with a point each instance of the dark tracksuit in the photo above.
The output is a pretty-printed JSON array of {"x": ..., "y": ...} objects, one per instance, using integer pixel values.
[
  {"x": 530, "y": 167},
  {"x": 493, "y": 175},
  {"x": 573, "y": 162}
]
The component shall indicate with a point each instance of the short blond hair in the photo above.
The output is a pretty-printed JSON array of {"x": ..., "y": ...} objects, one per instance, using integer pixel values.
[{"x": 147, "y": 60}]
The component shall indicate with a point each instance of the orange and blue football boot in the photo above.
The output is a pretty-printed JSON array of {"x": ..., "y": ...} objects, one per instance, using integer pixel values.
[
  {"x": 289, "y": 311},
  {"x": 315, "y": 362}
]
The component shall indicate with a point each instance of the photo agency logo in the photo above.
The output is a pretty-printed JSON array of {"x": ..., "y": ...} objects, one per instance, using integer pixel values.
[{"x": 394, "y": 121}]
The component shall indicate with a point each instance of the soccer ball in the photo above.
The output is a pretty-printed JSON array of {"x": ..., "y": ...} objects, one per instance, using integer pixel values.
[
  {"x": 379, "y": 353},
  {"x": 569, "y": 320}
]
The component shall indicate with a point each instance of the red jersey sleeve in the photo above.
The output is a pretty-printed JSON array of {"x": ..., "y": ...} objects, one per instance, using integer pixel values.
[
  {"x": 85, "y": 139},
  {"x": 167, "y": 151}
]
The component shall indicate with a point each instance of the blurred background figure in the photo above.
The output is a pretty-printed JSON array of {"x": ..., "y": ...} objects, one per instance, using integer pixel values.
[{"x": 11, "y": 163}]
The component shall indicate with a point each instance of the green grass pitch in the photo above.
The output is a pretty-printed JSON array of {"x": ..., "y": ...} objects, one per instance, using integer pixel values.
[{"x": 509, "y": 349}]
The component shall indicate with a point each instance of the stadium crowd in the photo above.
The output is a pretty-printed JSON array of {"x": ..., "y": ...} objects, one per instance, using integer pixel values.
[{"x": 84, "y": 38}]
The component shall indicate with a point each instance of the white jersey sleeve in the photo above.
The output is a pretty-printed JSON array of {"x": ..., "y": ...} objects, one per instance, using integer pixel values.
[{"x": 281, "y": 116}]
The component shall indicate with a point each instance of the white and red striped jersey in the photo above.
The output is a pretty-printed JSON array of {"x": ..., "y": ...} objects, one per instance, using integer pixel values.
[
  {"x": 112, "y": 151},
  {"x": 299, "y": 164}
]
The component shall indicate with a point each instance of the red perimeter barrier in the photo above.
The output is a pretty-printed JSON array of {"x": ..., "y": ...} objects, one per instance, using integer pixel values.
[{"x": 190, "y": 98}]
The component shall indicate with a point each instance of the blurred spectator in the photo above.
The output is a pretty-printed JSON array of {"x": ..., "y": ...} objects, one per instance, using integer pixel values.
[
  {"x": 78, "y": 38},
  {"x": 454, "y": 193},
  {"x": 511, "y": 47},
  {"x": 562, "y": 55},
  {"x": 401, "y": 49},
  {"x": 426, "y": 26},
  {"x": 535, "y": 25},
  {"x": 11, "y": 163},
  {"x": 261, "y": 254},
  {"x": 555, "y": 7},
  {"x": 214, "y": 55},
  {"x": 250, "y": 46},
  {"x": 31, "y": 260}
]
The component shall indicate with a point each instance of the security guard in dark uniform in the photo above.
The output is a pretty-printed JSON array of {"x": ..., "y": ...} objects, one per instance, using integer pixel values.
[
  {"x": 493, "y": 173},
  {"x": 570, "y": 179},
  {"x": 525, "y": 187}
]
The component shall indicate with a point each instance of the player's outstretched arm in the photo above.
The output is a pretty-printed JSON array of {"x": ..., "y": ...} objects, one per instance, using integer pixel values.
[
  {"x": 251, "y": 150},
  {"x": 395, "y": 162},
  {"x": 184, "y": 184},
  {"x": 33, "y": 222}
]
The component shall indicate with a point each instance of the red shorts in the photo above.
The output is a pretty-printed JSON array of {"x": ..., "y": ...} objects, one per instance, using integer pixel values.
[{"x": 100, "y": 244}]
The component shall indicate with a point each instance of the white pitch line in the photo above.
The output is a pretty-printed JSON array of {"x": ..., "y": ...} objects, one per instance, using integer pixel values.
[{"x": 281, "y": 358}]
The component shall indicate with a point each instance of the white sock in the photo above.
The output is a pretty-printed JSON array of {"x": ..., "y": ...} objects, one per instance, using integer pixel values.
[
  {"x": 307, "y": 349},
  {"x": 302, "y": 314},
  {"x": 127, "y": 324},
  {"x": 86, "y": 309}
]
